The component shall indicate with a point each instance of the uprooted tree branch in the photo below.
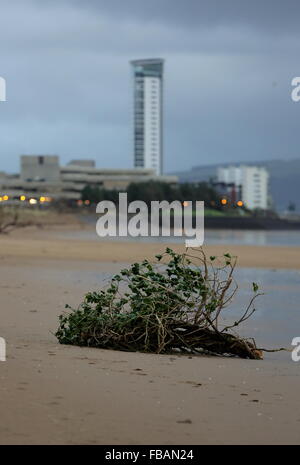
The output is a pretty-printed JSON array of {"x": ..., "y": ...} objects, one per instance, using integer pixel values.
[{"x": 176, "y": 304}]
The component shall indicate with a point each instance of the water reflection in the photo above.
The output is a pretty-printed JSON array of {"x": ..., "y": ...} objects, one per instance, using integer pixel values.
[
  {"x": 219, "y": 236},
  {"x": 277, "y": 318}
]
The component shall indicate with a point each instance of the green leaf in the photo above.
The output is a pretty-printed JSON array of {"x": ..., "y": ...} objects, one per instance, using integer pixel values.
[{"x": 255, "y": 287}]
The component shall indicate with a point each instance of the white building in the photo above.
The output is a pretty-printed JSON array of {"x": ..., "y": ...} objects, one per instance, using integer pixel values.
[
  {"x": 249, "y": 182},
  {"x": 148, "y": 114}
]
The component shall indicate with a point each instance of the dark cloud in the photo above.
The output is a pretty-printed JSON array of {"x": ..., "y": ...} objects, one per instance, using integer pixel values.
[
  {"x": 229, "y": 65},
  {"x": 266, "y": 15}
]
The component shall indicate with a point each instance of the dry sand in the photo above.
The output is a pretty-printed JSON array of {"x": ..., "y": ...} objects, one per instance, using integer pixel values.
[{"x": 54, "y": 394}]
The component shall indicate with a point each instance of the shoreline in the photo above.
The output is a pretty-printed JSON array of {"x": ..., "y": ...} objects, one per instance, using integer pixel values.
[{"x": 47, "y": 244}]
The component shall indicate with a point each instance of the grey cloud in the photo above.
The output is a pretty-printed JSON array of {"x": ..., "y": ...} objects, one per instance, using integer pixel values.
[{"x": 267, "y": 15}]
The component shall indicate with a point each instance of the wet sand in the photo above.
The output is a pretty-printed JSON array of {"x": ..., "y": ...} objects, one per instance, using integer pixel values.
[
  {"x": 54, "y": 394},
  {"x": 51, "y": 244}
]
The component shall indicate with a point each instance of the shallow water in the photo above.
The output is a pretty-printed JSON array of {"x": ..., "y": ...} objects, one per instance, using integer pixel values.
[
  {"x": 277, "y": 318},
  {"x": 228, "y": 236},
  {"x": 211, "y": 236}
]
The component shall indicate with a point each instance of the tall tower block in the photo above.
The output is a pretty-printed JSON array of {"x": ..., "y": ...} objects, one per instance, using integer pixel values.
[{"x": 148, "y": 114}]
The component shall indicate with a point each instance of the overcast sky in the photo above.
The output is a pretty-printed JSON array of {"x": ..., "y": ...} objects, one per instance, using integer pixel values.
[{"x": 228, "y": 71}]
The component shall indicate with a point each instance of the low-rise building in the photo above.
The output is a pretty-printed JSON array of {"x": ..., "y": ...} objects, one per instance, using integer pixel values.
[{"x": 42, "y": 175}]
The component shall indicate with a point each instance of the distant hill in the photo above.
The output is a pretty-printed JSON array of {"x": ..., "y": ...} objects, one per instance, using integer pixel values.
[{"x": 284, "y": 179}]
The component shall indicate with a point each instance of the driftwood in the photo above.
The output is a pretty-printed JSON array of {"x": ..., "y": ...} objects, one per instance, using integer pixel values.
[{"x": 186, "y": 338}]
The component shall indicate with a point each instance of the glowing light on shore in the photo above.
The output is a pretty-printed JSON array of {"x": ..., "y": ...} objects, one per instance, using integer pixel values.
[
  {"x": 22, "y": 198},
  {"x": 224, "y": 201},
  {"x": 240, "y": 203},
  {"x": 43, "y": 199},
  {"x": 5, "y": 197},
  {"x": 32, "y": 201}
]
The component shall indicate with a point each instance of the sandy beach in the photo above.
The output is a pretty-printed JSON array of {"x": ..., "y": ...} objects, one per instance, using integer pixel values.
[
  {"x": 54, "y": 394},
  {"x": 53, "y": 243}
]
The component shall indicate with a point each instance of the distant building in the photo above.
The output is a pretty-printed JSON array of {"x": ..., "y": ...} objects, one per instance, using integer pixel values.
[
  {"x": 148, "y": 114},
  {"x": 86, "y": 163},
  {"x": 246, "y": 183},
  {"x": 42, "y": 175},
  {"x": 40, "y": 168}
]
